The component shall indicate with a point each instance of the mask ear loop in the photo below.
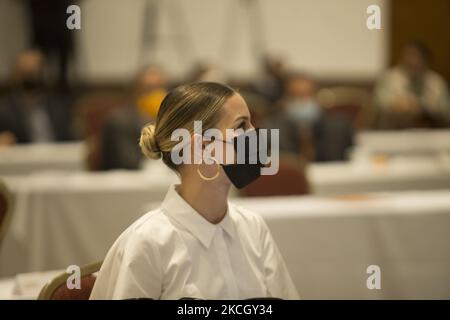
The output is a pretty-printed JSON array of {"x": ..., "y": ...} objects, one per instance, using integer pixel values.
[{"x": 214, "y": 176}]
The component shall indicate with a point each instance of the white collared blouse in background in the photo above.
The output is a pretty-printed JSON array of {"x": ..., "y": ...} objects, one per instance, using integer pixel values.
[{"x": 173, "y": 252}]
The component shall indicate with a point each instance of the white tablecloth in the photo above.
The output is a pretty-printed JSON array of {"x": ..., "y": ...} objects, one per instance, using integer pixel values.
[
  {"x": 74, "y": 217},
  {"x": 26, "y": 286},
  {"x": 25, "y": 159},
  {"x": 398, "y": 173},
  {"x": 403, "y": 142},
  {"x": 6, "y": 288},
  {"x": 327, "y": 242}
]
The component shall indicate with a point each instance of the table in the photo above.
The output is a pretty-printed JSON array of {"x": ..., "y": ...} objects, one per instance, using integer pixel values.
[
  {"x": 6, "y": 288},
  {"x": 327, "y": 242},
  {"x": 403, "y": 142},
  {"x": 62, "y": 217},
  {"x": 26, "y": 286},
  {"x": 380, "y": 174},
  {"x": 25, "y": 159}
]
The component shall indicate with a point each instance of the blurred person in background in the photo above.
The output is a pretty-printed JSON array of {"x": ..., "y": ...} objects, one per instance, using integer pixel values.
[
  {"x": 305, "y": 128},
  {"x": 119, "y": 148},
  {"x": 30, "y": 112},
  {"x": 271, "y": 82},
  {"x": 48, "y": 33},
  {"x": 411, "y": 94}
]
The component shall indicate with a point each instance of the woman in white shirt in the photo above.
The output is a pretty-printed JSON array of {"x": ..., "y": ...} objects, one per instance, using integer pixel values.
[{"x": 196, "y": 244}]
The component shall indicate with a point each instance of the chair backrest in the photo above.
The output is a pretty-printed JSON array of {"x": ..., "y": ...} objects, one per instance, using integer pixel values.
[
  {"x": 57, "y": 288},
  {"x": 92, "y": 111},
  {"x": 353, "y": 103},
  {"x": 6, "y": 208},
  {"x": 290, "y": 180}
]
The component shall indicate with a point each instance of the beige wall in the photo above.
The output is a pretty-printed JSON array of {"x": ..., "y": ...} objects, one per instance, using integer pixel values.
[{"x": 326, "y": 37}]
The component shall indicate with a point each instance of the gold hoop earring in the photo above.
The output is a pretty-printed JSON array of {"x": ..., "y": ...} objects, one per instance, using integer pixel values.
[{"x": 214, "y": 176}]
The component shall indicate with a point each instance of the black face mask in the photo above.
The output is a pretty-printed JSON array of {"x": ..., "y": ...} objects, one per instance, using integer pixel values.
[{"x": 243, "y": 173}]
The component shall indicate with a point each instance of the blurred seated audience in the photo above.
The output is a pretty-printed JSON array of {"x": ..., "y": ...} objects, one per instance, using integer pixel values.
[
  {"x": 91, "y": 110},
  {"x": 411, "y": 94},
  {"x": 305, "y": 128},
  {"x": 122, "y": 130},
  {"x": 289, "y": 134},
  {"x": 30, "y": 112},
  {"x": 258, "y": 106},
  {"x": 271, "y": 82}
]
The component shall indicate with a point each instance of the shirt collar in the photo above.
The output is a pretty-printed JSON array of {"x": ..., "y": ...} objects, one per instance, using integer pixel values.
[{"x": 177, "y": 208}]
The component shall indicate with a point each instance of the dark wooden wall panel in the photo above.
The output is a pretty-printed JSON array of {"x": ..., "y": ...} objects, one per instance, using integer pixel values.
[{"x": 424, "y": 20}]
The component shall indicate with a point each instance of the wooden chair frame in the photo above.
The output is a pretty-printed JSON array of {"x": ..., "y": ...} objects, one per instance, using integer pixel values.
[{"x": 49, "y": 289}]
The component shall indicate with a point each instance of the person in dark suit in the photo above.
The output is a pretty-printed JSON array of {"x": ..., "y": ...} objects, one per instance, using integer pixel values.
[
  {"x": 48, "y": 33},
  {"x": 29, "y": 112},
  {"x": 333, "y": 137},
  {"x": 121, "y": 132}
]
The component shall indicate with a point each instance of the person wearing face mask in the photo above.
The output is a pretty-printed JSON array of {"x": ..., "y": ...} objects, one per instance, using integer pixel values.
[
  {"x": 30, "y": 113},
  {"x": 300, "y": 102},
  {"x": 306, "y": 112},
  {"x": 305, "y": 128},
  {"x": 197, "y": 244}
]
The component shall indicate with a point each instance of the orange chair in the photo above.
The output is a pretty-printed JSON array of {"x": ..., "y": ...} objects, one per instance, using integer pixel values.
[
  {"x": 57, "y": 289},
  {"x": 6, "y": 206},
  {"x": 290, "y": 180}
]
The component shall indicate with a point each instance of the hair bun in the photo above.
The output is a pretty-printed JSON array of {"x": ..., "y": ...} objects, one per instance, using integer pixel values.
[{"x": 148, "y": 143}]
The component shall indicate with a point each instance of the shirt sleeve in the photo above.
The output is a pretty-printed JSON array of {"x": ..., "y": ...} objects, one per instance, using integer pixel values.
[
  {"x": 132, "y": 271},
  {"x": 277, "y": 276}
]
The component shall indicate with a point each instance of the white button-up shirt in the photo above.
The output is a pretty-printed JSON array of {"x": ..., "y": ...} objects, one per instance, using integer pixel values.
[{"x": 173, "y": 252}]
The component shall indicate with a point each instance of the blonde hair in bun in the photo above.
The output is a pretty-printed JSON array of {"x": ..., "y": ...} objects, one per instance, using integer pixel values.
[
  {"x": 182, "y": 106},
  {"x": 148, "y": 143}
]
